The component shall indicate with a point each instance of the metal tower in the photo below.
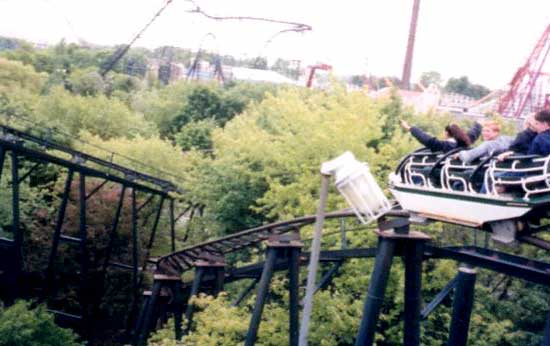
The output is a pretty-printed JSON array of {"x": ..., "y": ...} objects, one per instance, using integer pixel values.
[{"x": 524, "y": 95}]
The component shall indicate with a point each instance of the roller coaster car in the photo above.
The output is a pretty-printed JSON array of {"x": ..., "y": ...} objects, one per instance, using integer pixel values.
[{"x": 500, "y": 196}]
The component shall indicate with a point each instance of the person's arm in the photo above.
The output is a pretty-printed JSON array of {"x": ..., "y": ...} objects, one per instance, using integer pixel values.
[
  {"x": 429, "y": 141},
  {"x": 468, "y": 156},
  {"x": 505, "y": 155},
  {"x": 474, "y": 132}
]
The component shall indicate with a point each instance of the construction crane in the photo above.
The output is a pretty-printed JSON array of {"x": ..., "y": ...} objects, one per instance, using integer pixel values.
[
  {"x": 523, "y": 96},
  {"x": 312, "y": 70}
]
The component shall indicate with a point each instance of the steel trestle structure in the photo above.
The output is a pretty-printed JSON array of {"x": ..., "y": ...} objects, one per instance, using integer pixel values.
[
  {"x": 170, "y": 295},
  {"x": 20, "y": 146},
  {"x": 395, "y": 239}
]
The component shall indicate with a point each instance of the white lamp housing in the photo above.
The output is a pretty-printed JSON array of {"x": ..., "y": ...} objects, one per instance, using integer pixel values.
[{"x": 358, "y": 186}]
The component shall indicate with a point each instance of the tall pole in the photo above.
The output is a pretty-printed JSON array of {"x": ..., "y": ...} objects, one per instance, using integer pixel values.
[
  {"x": 314, "y": 261},
  {"x": 407, "y": 67}
]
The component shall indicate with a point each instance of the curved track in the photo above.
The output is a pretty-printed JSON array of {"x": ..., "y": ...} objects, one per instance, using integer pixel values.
[{"x": 180, "y": 261}]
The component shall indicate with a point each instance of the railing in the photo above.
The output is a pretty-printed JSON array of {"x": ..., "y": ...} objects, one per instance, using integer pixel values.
[{"x": 520, "y": 176}]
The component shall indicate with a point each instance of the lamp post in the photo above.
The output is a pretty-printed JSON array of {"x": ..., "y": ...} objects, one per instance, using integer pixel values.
[{"x": 355, "y": 182}]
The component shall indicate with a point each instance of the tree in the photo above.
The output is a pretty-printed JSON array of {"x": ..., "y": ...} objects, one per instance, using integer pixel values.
[
  {"x": 286, "y": 68},
  {"x": 463, "y": 86},
  {"x": 100, "y": 115},
  {"x": 196, "y": 135},
  {"x": 22, "y": 326},
  {"x": 86, "y": 82},
  {"x": 7, "y": 43},
  {"x": 431, "y": 77},
  {"x": 265, "y": 167},
  {"x": 14, "y": 74}
]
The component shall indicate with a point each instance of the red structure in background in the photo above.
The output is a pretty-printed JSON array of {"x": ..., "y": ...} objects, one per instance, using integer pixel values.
[
  {"x": 312, "y": 70},
  {"x": 521, "y": 98}
]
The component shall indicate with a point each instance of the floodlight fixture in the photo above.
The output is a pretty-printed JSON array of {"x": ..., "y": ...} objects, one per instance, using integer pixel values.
[{"x": 355, "y": 182}]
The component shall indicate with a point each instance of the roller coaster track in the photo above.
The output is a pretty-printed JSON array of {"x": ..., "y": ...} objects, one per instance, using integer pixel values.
[
  {"x": 183, "y": 260},
  {"x": 167, "y": 271},
  {"x": 170, "y": 267}
]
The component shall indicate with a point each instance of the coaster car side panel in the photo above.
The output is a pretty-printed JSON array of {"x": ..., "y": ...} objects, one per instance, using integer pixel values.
[{"x": 458, "y": 207}]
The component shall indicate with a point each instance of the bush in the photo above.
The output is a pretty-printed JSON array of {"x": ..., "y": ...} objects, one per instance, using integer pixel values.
[{"x": 22, "y": 326}]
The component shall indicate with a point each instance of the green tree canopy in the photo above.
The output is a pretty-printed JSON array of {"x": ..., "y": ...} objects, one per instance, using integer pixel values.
[
  {"x": 463, "y": 86},
  {"x": 431, "y": 77},
  {"x": 22, "y": 326}
]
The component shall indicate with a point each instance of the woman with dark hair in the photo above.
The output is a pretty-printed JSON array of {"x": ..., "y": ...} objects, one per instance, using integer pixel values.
[{"x": 455, "y": 137}]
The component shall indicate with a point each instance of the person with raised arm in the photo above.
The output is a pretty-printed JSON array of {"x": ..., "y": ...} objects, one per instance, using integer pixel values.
[{"x": 455, "y": 137}]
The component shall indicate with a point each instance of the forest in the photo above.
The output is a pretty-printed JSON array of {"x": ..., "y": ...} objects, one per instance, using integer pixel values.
[{"x": 243, "y": 155}]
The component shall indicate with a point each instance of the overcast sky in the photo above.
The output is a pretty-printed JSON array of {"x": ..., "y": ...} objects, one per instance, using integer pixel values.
[{"x": 487, "y": 40}]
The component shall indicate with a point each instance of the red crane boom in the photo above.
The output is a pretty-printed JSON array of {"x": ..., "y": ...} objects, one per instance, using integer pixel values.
[{"x": 312, "y": 70}]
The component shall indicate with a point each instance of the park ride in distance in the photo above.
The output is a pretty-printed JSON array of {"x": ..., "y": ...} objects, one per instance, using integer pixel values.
[{"x": 509, "y": 198}]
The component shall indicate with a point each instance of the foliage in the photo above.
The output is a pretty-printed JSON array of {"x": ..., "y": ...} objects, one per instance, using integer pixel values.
[
  {"x": 463, "y": 86},
  {"x": 86, "y": 82},
  {"x": 196, "y": 135},
  {"x": 100, "y": 115},
  {"x": 8, "y": 43},
  {"x": 177, "y": 104},
  {"x": 14, "y": 74},
  {"x": 431, "y": 77},
  {"x": 22, "y": 326},
  {"x": 208, "y": 102},
  {"x": 252, "y": 155},
  {"x": 286, "y": 68}
]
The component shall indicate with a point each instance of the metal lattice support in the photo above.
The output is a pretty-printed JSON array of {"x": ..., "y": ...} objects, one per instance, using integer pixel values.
[{"x": 13, "y": 143}]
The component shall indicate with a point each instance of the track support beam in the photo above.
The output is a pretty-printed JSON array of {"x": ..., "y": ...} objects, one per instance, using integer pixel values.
[
  {"x": 286, "y": 246},
  {"x": 394, "y": 234},
  {"x": 462, "y": 307}
]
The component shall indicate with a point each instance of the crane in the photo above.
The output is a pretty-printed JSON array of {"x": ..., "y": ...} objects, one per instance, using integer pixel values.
[{"x": 312, "y": 70}]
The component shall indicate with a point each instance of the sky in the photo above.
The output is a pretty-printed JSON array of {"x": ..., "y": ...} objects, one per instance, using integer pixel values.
[{"x": 485, "y": 40}]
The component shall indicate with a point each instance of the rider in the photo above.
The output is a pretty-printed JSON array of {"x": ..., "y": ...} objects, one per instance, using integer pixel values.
[{"x": 455, "y": 137}]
